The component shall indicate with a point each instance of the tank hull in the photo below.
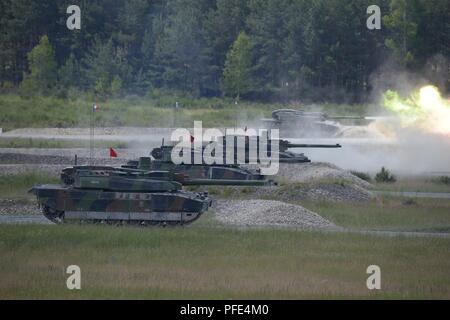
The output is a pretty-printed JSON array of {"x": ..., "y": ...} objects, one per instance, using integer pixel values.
[
  {"x": 66, "y": 203},
  {"x": 304, "y": 128},
  {"x": 212, "y": 172}
]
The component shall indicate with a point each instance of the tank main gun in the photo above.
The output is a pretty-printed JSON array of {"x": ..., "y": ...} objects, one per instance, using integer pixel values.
[
  {"x": 284, "y": 145},
  {"x": 346, "y": 117},
  {"x": 224, "y": 182},
  {"x": 293, "y": 115},
  {"x": 303, "y": 145}
]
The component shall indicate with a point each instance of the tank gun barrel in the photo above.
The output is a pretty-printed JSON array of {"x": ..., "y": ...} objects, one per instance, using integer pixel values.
[
  {"x": 346, "y": 117},
  {"x": 303, "y": 145},
  {"x": 227, "y": 182}
]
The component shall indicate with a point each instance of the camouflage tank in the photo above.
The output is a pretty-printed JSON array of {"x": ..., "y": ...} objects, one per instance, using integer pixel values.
[
  {"x": 309, "y": 124},
  {"x": 200, "y": 173},
  {"x": 111, "y": 195},
  {"x": 163, "y": 153}
]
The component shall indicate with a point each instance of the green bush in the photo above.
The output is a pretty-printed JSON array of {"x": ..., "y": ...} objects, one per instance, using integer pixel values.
[
  {"x": 116, "y": 86},
  {"x": 444, "y": 180},
  {"x": 42, "y": 77},
  {"x": 385, "y": 176},
  {"x": 362, "y": 175}
]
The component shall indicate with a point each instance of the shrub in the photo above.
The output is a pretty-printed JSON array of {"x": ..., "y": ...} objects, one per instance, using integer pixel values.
[
  {"x": 362, "y": 175},
  {"x": 444, "y": 180},
  {"x": 385, "y": 176},
  {"x": 409, "y": 202},
  {"x": 43, "y": 70},
  {"x": 116, "y": 86}
]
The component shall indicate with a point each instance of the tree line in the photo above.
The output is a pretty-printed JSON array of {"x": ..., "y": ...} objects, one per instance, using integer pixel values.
[{"x": 256, "y": 49}]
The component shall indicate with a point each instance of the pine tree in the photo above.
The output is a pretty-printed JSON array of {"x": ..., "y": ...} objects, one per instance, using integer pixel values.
[
  {"x": 43, "y": 70},
  {"x": 103, "y": 64},
  {"x": 300, "y": 48},
  {"x": 222, "y": 26},
  {"x": 181, "y": 51},
  {"x": 68, "y": 73},
  {"x": 403, "y": 30},
  {"x": 236, "y": 79},
  {"x": 267, "y": 28}
]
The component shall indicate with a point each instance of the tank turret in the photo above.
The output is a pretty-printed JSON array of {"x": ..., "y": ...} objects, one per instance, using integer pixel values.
[{"x": 310, "y": 123}]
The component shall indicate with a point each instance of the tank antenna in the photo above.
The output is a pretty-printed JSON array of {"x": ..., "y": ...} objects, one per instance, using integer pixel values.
[{"x": 92, "y": 133}]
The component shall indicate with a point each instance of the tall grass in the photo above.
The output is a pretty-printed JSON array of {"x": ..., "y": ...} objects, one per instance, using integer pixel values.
[
  {"x": 414, "y": 184},
  {"x": 388, "y": 213},
  {"x": 203, "y": 262}
]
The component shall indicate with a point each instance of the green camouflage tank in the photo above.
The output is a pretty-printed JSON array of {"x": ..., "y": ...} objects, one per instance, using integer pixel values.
[
  {"x": 310, "y": 123},
  {"x": 110, "y": 195},
  {"x": 231, "y": 173},
  {"x": 163, "y": 157}
]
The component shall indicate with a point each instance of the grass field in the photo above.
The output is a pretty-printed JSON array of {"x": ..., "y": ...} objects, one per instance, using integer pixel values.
[
  {"x": 16, "y": 112},
  {"x": 202, "y": 261},
  {"x": 388, "y": 213},
  {"x": 415, "y": 184}
]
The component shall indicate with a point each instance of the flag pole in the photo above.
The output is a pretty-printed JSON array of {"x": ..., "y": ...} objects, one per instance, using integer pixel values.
[
  {"x": 91, "y": 138},
  {"x": 90, "y": 135},
  {"x": 93, "y": 134}
]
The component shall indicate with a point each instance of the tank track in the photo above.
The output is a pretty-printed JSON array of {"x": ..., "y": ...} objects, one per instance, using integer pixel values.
[
  {"x": 54, "y": 216},
  {"x": 57, "y": 217}
]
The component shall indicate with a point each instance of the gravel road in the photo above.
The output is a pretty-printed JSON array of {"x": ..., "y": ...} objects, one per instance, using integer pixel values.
[
  {"x": 128, "y": 134},
  {"x": 34, "y": 219},
  {"x": 15, "y": 207},
  {"x": 43, "y": 155},
  {"x": 24, "y": 219},
  {"x": 51, "y": 161}
]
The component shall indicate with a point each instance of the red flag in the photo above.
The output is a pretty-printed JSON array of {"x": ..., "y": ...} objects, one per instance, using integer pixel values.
[
  {"x": 112, "y": 153},
  {"x": 192, "y": 138}
]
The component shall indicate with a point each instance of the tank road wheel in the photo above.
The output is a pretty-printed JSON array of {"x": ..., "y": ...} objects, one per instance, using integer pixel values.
[{"x": 52, "y": 214}]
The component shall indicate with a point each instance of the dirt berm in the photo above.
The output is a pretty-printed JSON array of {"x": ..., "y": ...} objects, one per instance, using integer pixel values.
[
  {"x": 300, "y": 182},
  {"x": 259, "y": 213}
]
